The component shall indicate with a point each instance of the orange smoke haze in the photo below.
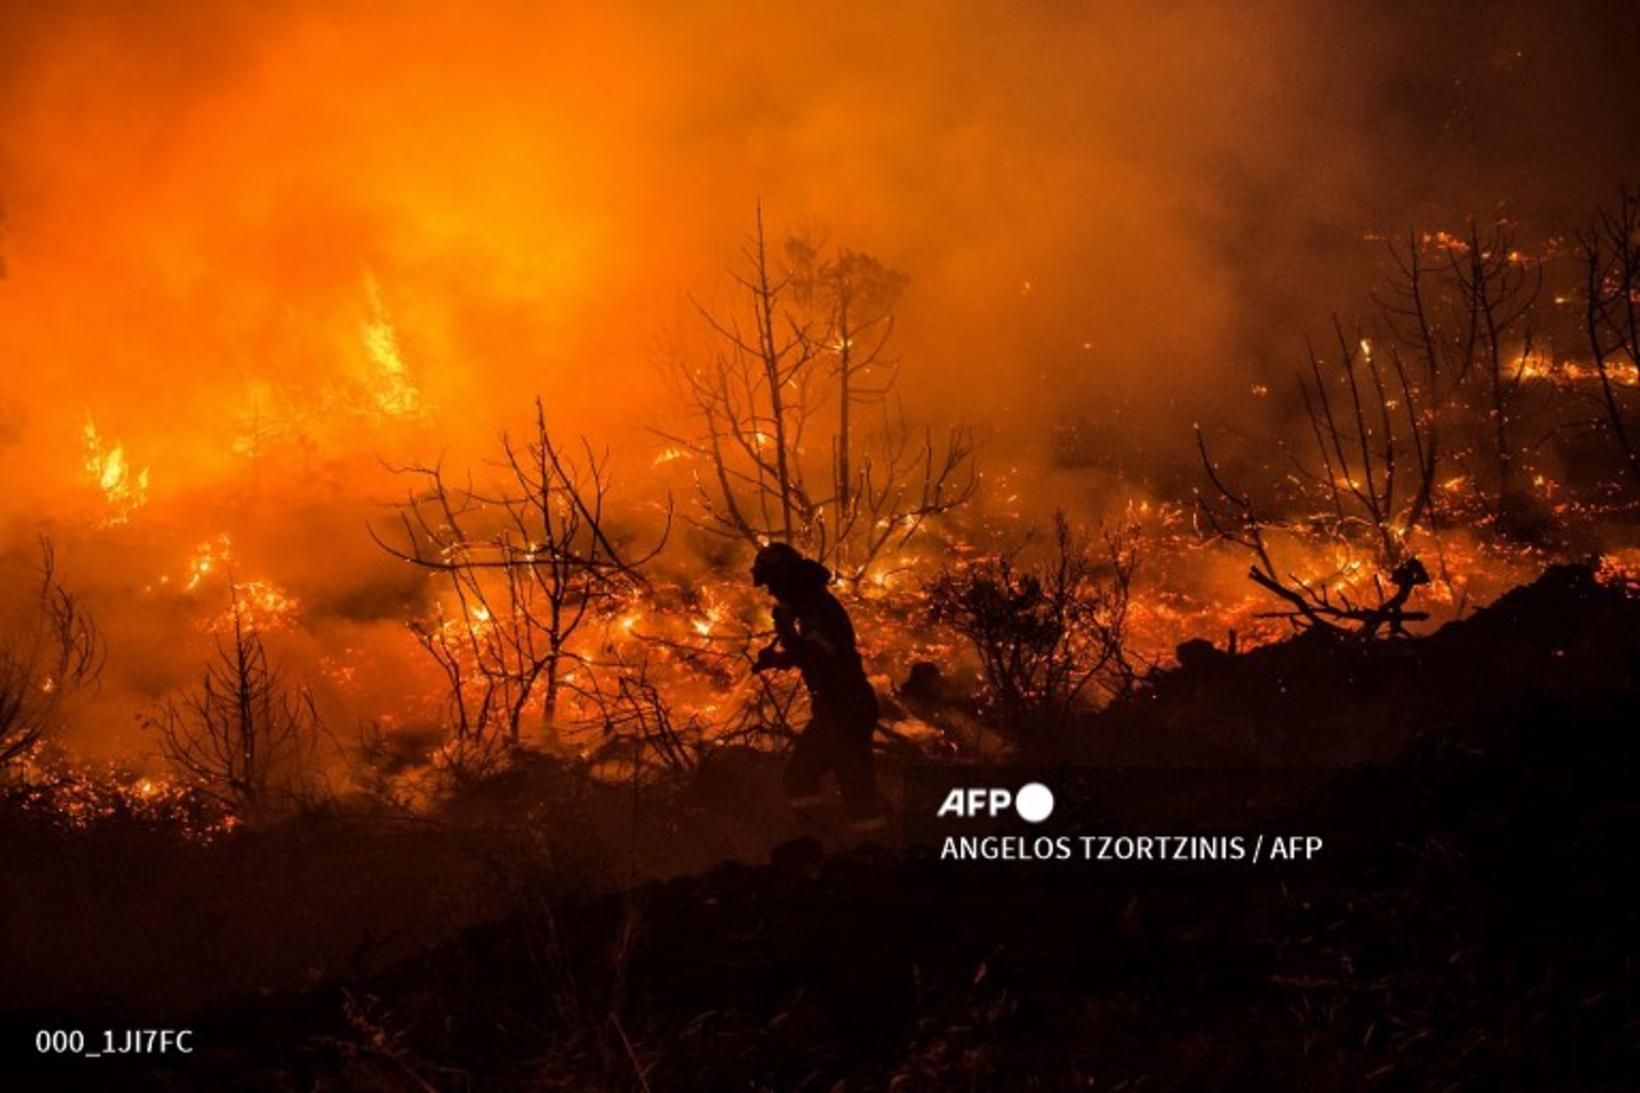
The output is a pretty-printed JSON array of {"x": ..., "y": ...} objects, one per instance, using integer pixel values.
[{"x": 254, "y": 249}]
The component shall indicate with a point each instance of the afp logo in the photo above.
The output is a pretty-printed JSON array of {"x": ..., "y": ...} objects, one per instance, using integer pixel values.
[{"x": 1033, "y": 801}]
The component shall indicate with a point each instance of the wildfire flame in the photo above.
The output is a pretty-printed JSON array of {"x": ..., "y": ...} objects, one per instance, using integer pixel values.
[
  {"x": 207, "y": 557},
  {"x": 395, "y": 395},
  {"x": 124, "y": 490}
]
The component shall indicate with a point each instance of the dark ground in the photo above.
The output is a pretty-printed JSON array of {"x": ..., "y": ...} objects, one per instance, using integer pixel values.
[{"x": 1472, "y": 924}]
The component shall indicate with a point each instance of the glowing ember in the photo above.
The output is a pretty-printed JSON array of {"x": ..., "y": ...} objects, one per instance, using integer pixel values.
[
  {"x": 209, "y": 557},
  {"x": 257, "y": 605}
]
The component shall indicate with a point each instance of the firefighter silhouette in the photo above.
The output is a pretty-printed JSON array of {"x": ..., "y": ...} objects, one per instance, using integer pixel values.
[{"x": 814, "y": 635}]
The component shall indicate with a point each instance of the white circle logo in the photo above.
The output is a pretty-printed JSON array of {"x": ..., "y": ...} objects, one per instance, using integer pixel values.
[{"x": 1034, "y": 802}]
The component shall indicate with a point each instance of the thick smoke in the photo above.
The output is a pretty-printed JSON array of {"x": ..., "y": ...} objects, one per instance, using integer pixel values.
[{"x": 261, "y": 247}]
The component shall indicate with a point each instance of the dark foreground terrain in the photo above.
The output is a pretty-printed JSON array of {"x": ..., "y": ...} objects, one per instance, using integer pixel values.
[{"x": 1472, "y": 925}]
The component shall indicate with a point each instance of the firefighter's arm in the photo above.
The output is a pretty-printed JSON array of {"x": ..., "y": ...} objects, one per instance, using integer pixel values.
[
  {"x": 772, "y": 656},
  {"x": 782, "y": 652},
  {"x": 785, "y": 625}
]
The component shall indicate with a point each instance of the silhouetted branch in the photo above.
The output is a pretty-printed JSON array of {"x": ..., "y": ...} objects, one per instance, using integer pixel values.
[
  {"x": 55, "y": 650},
  {"x": 525, "y": 564}
]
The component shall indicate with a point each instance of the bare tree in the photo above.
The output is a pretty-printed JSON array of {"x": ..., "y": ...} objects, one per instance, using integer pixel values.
[
  {"x": 1462, "y": 311},
  {"x": 1438, "y": 340},
  {"x": 852, "y": 296},
  {"x": 1611, "y": 255},
  {"x": 810, "y": 356},
  {"x": 1373, "y": 444},
  {"x": 1231, "y": 516},
  {"x": 54, "y": 650},
  {"x": 244, "y": 736},
  {"x": 1501, "y": 287},
  {"x": 1446, "y": 382},
  {"x": 1047, "y": 633},
  {"x": 525, "y": 564}
]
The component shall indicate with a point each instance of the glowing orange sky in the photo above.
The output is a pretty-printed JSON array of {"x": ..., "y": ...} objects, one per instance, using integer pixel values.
[{"x": 197, "y": 196}]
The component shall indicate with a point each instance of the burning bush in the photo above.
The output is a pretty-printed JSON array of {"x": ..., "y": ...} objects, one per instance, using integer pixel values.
[
  {"x": 526, "y": 563},
  {"x": 640, "y": 733},
  {"x": 1048, "y": 635}
]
